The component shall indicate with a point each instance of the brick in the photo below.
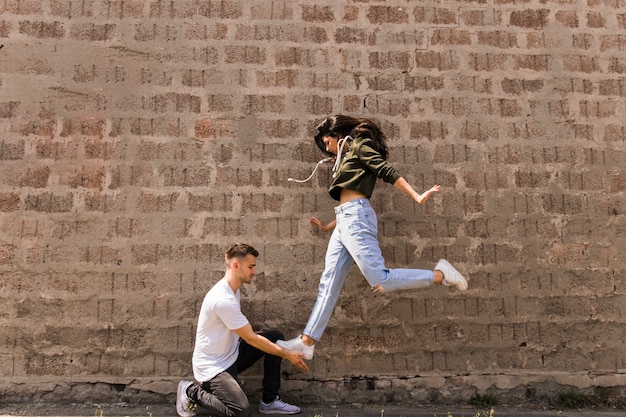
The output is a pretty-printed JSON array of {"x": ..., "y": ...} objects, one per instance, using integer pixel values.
[
  {"x": 104, "y": 203},
  {"x": 559, "y": 109},
  {"x": 355, "y": 36},
  {"x": 5, "y": 28},
  {"x": 12, "y": 151},
  {"x": 498, "y": 39},
  {"x": 253, "y": 104},
  {"x": 529, "y": 19},
  {"x": 222, "y": 227},
  {"x": 487, "y": 62},
  {"x": 568, "y": 18},
  {"x": 70, "y": 10},
  {"x": 614, "y": 87},
  {"x": 56, "y": 150},
  {"x": 386, "y": 14},
  {"x": 597, "y": 109},
  {"x": 27, "y": 7},
  {"x": 532, "y": 62},
  {"x": 41, "y": 127},
  {"x": 84, "y": 126},
  {"x": 275, "y": 79},
  {"x": 530, "y": 179},
  {"x": 42, "y": 29},
  {"x": 428, "y": 129},
  {"x": 615, "y": 133},
  {"x": 617, "y": 65},
  {"x": 595, "y": 20},
  {"x": 450, "y": 36},
  {"x": 459, "y": 106},
  {"x": 92, "y": 32},
  {"x": 612, "y": 43},
  {"x": 580, "y": 63},
  {"x": 245, "y": 55},
  {"x": 7, "y": 254},
  {"x": 87, "y": 176},
  {"x": 501, "y": 107},
  {"x": 200, "y": 31},
  {"x": 9, "y": 109},
  {"x": 519, "y": 86},
  {"x": 214, "y": 128},
  {"x": 200, "y": 78},
  {"x": 617, "y": 181},
  {"x": 101, "y": 255},
  {"x": 480, "y": 17},
  {"x": 49, "y": 202},
  {"x": 9, "y": 201},
  {"x": 386, "y": 60},
  {"x": 436, "y": 60},
  {"x": 563, "y": 204},
  {"x": 172, "y": 103},
  {"x": 186, "y": 176},
  {"x": 35, "y": 177},
  {"x": 583, "y": 41},
  {"x": 151, "y": 203},
  {"x": 119, "y": 10},
  {"x": 435, "y": 15}
]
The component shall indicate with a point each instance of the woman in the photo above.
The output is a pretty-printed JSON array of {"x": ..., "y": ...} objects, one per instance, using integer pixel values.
[{"x": 361, "y": 157}]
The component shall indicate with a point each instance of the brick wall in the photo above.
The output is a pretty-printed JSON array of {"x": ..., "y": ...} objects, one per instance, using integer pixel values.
[{"x": 139, "y": 138}]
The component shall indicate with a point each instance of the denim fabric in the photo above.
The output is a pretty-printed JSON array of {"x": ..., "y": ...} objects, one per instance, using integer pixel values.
[
  {"x": 223, "y": 395},
  {"x": 354, "y": 240}
]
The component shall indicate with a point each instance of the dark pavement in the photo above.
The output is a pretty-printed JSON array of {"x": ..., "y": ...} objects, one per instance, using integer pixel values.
[{"x": 122, "y": 410}]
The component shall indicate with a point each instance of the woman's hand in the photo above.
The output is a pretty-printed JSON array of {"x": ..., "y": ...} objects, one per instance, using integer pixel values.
[
  {"x": 321, "y": 226},
  {"x": 423, "y": 197}
]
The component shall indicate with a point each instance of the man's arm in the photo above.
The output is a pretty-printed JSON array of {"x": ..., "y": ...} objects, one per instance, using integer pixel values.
[{"x": 264, "y": 344}]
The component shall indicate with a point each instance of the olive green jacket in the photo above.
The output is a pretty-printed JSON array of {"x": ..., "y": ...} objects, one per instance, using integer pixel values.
[{"x": 362, "y": 165}]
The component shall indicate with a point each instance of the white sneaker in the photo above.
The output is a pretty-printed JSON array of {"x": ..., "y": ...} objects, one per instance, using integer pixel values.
[
  {"x": 184, "y": 407},
  {"x": 277, "y": 406},
  {"x": 451, "y": 277},
  {"x": 296, "y": 344}
]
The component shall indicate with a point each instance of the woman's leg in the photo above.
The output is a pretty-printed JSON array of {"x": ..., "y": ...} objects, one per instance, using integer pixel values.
[
  {"x": 360, "y": 239},
  {"x": 337, "y": 264}
]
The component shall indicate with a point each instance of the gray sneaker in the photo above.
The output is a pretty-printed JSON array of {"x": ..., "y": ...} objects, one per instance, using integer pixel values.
[
  {"x": 277, "y": 406},
  {"x": 184, "y": 406},
  {"x": 451, "y": 277}
]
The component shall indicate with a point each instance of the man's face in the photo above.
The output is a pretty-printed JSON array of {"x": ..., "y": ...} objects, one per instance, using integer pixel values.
[{"x": 246, "y": 269}]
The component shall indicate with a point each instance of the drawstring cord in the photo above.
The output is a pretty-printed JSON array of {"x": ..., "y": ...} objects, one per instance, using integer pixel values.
[
  {"x": 312, "y": 173},
  {"x": 340, "y": 156},
  {"x": 341, "y": 143}
]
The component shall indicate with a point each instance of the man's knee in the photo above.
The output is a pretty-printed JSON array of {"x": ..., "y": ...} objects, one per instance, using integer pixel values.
[{"x": 245, "y": 410}]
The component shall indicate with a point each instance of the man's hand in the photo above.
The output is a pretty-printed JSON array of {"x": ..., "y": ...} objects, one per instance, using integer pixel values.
[{"x": 296, "y": 359}]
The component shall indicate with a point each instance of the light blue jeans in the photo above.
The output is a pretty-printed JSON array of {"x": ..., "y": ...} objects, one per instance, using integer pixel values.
[{"x": 354, "y": 241}]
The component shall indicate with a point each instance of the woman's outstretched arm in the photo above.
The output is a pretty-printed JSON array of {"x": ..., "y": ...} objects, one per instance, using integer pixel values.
[{"x": 402, "y": 185}]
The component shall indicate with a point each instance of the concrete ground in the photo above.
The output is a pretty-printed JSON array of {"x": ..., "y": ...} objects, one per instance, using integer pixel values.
[{"x": 123, "y": 410}]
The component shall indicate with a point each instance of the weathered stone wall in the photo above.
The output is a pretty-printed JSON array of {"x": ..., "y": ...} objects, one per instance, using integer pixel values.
[{"x": 139, "y": 138}]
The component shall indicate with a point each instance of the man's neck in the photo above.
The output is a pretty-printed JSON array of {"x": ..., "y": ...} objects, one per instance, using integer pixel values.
[{"x": 232, "y": 280}]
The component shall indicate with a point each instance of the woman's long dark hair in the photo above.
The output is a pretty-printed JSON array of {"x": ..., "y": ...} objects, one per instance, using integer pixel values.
[{"x": 340, "y": 126}]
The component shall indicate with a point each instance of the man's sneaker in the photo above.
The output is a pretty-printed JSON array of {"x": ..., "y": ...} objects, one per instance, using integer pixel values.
[
  {"x": 296, "y": 344},
  {"x": 451, "y": 277},
  {"x": 184, "y": 406},
  {"x": 277, "y": 406}
]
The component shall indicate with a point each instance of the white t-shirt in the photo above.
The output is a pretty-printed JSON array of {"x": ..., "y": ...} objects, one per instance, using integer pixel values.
[{"x": 217, "y": 346}]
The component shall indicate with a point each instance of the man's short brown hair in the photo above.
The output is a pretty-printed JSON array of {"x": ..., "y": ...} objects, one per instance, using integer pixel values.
[{"x": 240, "y": 250}]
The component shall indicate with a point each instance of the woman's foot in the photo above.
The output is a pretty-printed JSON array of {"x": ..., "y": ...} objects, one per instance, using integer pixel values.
[
  {"x": 297, "y": 345},
  {"x": 451, "y": 277}
]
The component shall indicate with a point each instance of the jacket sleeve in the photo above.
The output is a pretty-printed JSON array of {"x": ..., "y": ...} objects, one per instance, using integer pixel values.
[{"x": 374, "y": 161}]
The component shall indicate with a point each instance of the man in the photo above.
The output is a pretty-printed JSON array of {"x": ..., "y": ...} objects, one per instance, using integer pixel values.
[{"x": 226, "y": 345}]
